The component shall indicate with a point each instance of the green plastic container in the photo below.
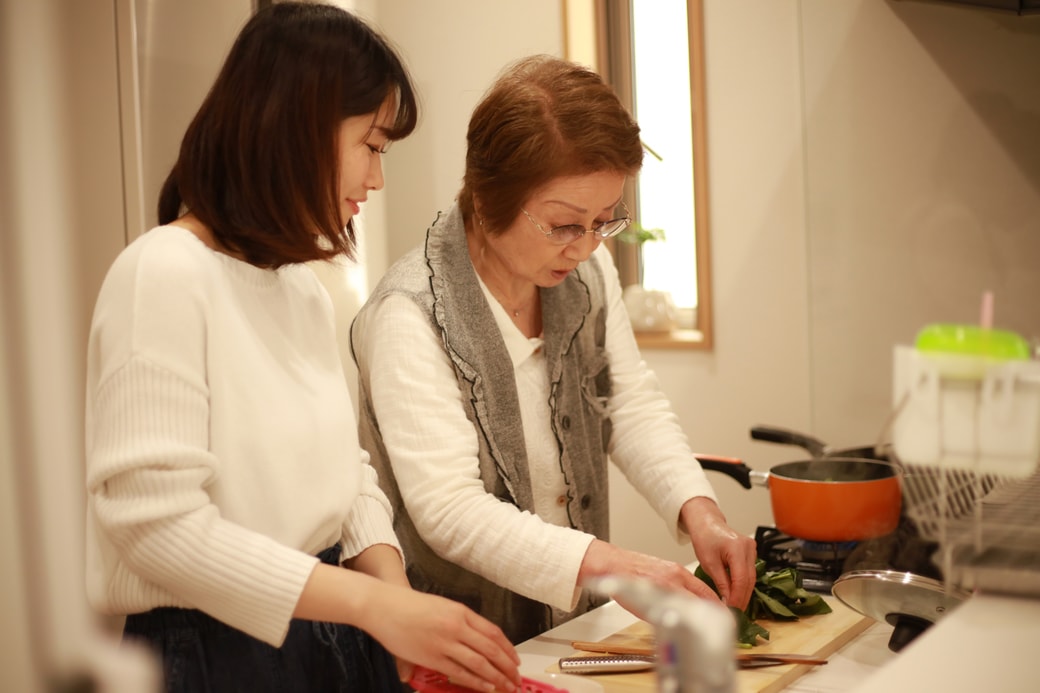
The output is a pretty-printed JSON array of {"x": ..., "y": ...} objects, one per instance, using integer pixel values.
[{"x": 972, "y": 340}]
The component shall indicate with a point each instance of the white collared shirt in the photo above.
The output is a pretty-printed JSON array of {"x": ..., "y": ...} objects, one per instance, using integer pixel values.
[{"x": 548, "y": 486}]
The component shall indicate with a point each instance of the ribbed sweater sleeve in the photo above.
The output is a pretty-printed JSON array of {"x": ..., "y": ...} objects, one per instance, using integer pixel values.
[
  {"x": 370, "y": 520},
  {"x": 150, "y": 467}
]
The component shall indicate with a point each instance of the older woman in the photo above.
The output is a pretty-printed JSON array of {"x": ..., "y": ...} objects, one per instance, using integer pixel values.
[{"x": 498, "y": 370}]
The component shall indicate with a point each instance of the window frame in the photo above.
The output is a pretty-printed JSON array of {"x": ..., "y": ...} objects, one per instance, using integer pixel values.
[{"x": 613, "y": 53}]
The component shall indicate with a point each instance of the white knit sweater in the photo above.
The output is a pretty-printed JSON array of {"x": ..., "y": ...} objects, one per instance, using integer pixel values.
[{"x": 222, "y": 446}]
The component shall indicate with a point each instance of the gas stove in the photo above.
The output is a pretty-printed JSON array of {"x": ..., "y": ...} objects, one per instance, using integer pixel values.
[{"x": 821, "y": 563}]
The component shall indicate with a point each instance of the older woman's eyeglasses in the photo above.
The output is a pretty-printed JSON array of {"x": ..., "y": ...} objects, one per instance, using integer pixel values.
[{"x": 568, "y": 233}]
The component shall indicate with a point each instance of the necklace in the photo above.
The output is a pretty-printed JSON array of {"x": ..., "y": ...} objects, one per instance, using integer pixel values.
[
  {"x": 509, "y": 306},
  {"x": 515, "y": 312},
  {"x": 479, "y": 264}
]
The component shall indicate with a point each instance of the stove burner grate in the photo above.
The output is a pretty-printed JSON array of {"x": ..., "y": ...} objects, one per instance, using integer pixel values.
[
  {"x": 819, "y": 564},
  {"x": 826, "y": 550}
]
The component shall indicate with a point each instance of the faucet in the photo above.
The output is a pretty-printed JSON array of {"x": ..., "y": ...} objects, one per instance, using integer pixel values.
[{"x": 694, "y": 637}]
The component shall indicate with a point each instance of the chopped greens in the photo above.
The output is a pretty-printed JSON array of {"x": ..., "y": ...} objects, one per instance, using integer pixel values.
[{"x": 778, "y": 596}]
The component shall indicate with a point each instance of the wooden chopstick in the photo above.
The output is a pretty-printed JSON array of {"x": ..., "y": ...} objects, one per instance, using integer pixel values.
[
  {"x": 609, "y": 648},
  {"x": 779, "y": 657}
]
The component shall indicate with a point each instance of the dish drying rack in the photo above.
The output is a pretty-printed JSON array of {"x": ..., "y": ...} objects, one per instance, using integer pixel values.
[
  {"x": 968, "y": 437},
  {"x": 987, "y": 527}
]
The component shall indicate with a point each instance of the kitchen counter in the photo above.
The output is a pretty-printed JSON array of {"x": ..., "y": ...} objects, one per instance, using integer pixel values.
[{"x": 986, "y": 644}]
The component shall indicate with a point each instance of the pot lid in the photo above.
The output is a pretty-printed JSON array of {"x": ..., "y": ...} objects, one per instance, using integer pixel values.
[{"x": 911, "y": 603}]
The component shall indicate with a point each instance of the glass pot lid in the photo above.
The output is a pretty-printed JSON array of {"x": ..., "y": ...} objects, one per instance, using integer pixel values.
[{"x": 910, "y": 603}]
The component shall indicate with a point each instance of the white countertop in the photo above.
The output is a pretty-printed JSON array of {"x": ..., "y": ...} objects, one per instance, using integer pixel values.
[{"x": 986, "y": 644}]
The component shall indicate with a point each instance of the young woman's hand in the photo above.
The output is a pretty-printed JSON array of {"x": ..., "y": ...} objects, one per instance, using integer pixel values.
[
  {"x": 447, "y": 637},
  {"x": 415, "y": 627}
]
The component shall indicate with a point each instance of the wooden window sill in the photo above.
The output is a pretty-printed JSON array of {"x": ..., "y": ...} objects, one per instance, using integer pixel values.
[{"x": 674, "y": 339}]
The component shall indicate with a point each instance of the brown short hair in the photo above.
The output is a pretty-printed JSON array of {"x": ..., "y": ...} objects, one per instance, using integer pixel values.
[
  {"x": 259, "y": 164},
  {"x": 542, "y": 118}
]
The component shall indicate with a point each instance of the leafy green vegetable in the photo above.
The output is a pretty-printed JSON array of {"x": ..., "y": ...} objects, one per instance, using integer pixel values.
[
  {"x": 778, "y": 596},
  {"x": 748, "y": 632}
]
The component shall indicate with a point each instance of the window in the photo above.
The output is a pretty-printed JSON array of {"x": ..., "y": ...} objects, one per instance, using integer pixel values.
[{"x": 652, "y": 53}]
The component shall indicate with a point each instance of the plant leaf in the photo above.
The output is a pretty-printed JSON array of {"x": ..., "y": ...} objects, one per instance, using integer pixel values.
[{"x": 635, "y": 233}]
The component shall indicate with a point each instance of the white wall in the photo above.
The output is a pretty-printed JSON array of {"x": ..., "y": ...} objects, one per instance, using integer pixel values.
[{"x": 923, "y": 162}]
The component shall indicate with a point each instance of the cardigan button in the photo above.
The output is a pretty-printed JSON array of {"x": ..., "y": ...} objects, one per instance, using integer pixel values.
[
  {"x": 561, "y": 500},
  {"x": 565, "y": 422},
  {"x": 586, "y": 501}
]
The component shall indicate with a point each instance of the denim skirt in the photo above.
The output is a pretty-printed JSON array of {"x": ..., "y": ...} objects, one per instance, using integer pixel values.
[{"x": 203, "y": 655}]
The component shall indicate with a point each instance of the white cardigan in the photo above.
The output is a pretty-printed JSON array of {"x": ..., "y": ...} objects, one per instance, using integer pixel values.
[
  {"x": 433, "y": 446},
  {"x": 222, "y": 447}
]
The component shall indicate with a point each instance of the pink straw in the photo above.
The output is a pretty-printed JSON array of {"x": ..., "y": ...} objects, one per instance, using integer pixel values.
[{"x": 986, "y": 319}]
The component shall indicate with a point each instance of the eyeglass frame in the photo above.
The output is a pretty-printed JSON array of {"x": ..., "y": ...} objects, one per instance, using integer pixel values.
[{"x": 627, "y": 219}]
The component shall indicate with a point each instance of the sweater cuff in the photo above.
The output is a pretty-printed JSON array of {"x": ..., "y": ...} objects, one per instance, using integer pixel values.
[
  {"x": 671, "y": 505},
  {"x": 367, "y": 524},
  {"x": 271, "y": 623},
  {"x": 561, "y": 590}
]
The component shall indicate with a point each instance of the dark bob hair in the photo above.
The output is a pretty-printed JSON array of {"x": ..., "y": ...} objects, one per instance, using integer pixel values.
[
  {"x": 259, "y": 164},
  {"x": 543, "y": 118}
]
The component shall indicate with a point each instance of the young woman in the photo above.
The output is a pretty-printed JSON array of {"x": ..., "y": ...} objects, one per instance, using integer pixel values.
[{"x": 233, "y": 518}]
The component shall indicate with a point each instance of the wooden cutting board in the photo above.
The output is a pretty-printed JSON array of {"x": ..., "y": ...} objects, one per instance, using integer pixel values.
[{"x": 820, "y": 636}]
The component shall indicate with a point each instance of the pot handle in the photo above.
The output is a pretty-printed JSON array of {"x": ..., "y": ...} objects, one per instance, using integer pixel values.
[
  {"x": 771, "y": 434},
  {"x": 730, "y": 466}
]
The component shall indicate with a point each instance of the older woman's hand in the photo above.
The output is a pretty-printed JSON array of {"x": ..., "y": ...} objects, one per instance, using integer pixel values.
[
  {"x": 727, "y": 556},
  {"x": 603, "y": 558}
]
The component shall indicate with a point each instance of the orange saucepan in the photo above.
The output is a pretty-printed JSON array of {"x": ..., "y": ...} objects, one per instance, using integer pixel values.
[{"x": 834, "y": 499}]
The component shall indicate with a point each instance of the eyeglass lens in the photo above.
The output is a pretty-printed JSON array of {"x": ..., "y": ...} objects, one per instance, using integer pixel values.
[
  {"x": 568, "y": 233},
  {"x": 572, "y": 232}
]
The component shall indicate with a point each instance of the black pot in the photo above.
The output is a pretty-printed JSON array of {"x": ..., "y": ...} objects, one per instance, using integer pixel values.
[{"x": 816, "y": 447}]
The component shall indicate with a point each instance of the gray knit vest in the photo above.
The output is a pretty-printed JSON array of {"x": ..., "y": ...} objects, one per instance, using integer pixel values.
[{"x": 440, "y": 279}]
